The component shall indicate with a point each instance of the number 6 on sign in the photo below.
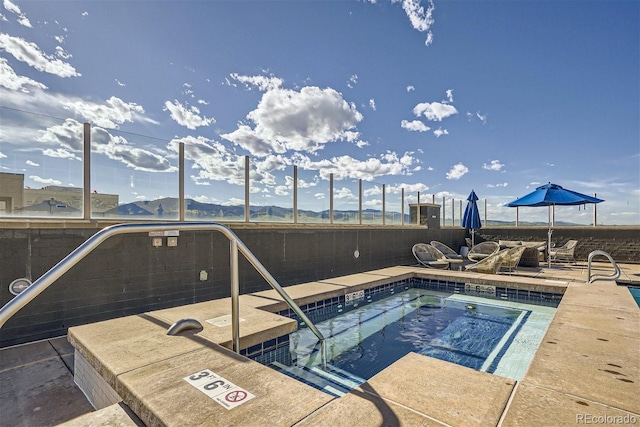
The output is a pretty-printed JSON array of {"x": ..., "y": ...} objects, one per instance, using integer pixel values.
[{"x": 213, "y": 385}]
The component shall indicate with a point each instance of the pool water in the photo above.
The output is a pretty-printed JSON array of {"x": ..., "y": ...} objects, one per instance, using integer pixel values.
[
  {"x": 462, "y": 329},
  {"x": 635, "y": 293}
]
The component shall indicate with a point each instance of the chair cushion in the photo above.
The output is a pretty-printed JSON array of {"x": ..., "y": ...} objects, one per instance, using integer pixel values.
[{"x": 425, "y": 256}]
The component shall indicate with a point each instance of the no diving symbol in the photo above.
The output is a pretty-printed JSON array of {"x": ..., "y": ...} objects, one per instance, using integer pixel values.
[{"x": 236, "y": 396}]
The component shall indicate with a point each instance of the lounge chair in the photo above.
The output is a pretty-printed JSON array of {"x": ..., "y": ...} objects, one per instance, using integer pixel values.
[
  {"x": 483, "y": 250},
  {"x": 512, "y": 258},
  {"x": 490, "y": 264},
  {"x": 564, "y": 253},
  {"x": 429, "y": 256},
  {"x": 446, "y": 250}
]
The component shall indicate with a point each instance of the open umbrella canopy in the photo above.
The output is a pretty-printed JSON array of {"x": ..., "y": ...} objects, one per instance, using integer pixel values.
[
  {"x": 553, "y": 194},
  {"x": 471, "y": 218}
]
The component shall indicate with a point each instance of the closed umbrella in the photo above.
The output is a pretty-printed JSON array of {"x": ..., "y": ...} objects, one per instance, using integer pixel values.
[
  {"x": 471, "y": 217},
  {"x": 551, "y": 195}
]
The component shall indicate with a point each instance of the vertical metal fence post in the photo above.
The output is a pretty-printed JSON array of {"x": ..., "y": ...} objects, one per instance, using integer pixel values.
[
  {"x": 418, "y": 210},
  {"x": 360, "y": 201},
  {"x": 235, "y": 295},
  {"x": 384, "y": 216},
  {"x": 595, "y": 212},
  {"x": 485, "y": 211},
  {"x": 444, "y": 213},
  {"x": 331, "y": 198},
  {"x": 86, "y": 173},
  {"x": 246, "y": 189},
  {"x": 453, "y": 212},
  {"x": 295, "y": 194},
  {"x": 181, "y": 197},
  {"x": 402, "y": 209}
]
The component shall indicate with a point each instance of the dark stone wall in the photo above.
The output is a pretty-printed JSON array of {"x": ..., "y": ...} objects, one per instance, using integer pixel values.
[
  {"x": 622, "y": 243},
  {"x": 126, "y": 275}
]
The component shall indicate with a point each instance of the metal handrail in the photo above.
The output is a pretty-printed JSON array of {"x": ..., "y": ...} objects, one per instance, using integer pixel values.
[
  {"x": 235, "y": 245},
  {"x": 614, "y": 276}
]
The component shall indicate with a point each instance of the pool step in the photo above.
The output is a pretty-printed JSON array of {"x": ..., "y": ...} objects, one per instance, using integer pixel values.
[{"x": 334, "y": 381}]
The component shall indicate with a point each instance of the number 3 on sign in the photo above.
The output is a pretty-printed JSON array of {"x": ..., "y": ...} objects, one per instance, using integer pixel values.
[{"x": 201, "y": 378}]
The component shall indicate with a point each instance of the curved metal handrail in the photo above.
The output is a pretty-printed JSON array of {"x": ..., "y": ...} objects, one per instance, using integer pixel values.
[
  {"x": 613, "y": 276},
  {"x": 48, "y": 278}
]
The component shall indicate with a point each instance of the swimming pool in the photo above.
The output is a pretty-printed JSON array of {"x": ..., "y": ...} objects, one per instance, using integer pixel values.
[
  {"x": 366, "y": 334},
  {"x": 635, "y": 293}
]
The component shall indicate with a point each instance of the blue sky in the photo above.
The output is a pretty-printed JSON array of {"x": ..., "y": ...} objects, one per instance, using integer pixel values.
[{"x": 436, "y": 97}]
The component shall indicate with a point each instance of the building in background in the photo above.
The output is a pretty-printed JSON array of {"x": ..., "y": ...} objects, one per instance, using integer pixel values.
[{"x": 15, "y": 199}]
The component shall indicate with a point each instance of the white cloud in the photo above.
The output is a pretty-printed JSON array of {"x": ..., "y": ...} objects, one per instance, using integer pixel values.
[
  {"x": 10, "y": 80},
  {"x": 22, "y": 18},
  {"x": 67, "y": 140},
  {"x": 119, "y": 83},
  {"x": 2, "y": 155},
  {"x": 457, "y": 171},
  {"x": 60, "y": 153},
  {"x": 344, "y": 194},
  {"x": 111, "y": 115},
  {"x": 263, "y": 83},
  {"x": 361, "y": 144},
  {"x": 434, "y": 111},
  {"x": 408, "y": 188},
  {"x": 288, "y": 120},
  {"x": 346, "y": 167},
  {"x": 495, "y": 165},
  {"x": 30, "y": 163},
  {"x": 449, "y": 93},
  {"x": 421, "y": 19},
  {"x": 61, "y": 53},
  {"x": 472, "y": 116},
  {"x": 353, "y": 80},
  {"x": 372, "y": 104},
  {"x": 504, "y": 184},
  {"x": 439, "y": 132},
  {"x": 414, "y": 126},
  {"x": 410, "y": 88},
  {"x": 214, "y": 162},
  {"x": 46, "y": 181},
  {"x": 31, "y": 54},
  {"x": 186, "y": 116}
]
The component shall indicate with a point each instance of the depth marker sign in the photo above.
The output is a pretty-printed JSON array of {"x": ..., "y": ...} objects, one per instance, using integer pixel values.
[{"x": 219, "y": 389}]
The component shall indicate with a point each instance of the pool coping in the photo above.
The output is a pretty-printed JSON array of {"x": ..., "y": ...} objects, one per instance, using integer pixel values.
[{"x": 581, "y": 390}]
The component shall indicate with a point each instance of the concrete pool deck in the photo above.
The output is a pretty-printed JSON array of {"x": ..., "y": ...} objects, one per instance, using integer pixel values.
[{"x": 586, "y": 370}]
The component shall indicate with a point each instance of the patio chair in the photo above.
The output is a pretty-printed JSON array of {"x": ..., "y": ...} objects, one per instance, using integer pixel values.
[
  {"x": 512, "y": 258},
  {"x": 490, "y": 264},
  {"x": 429, "y": 256},
  {"x": 564, "y": 253},
  {"x": 483, "y": 250},
  {"x": 446, "y": 250}
]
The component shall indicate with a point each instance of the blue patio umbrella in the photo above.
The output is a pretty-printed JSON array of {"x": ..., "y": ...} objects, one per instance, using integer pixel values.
[
  {"x": 551, "y": 195},
  {"x": 471, "y": 218}
]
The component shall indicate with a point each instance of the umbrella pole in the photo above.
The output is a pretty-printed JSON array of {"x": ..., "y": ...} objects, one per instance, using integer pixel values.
[{"x": 549, "y": 235}]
